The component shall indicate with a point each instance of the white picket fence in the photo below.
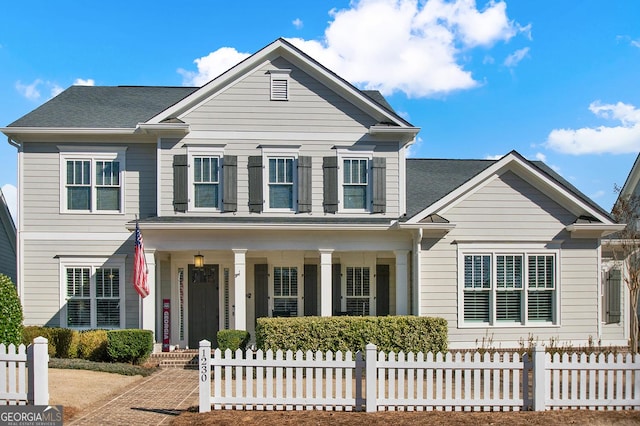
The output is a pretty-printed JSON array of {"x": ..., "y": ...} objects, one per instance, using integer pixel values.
[
  {"x": 24, "y": 376},
  {"x": 376, "y": 381}
]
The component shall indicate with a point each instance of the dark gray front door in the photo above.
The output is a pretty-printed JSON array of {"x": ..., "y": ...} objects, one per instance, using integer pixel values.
[
  {"x": 203, "y": 305},
  {"x": 382, "y": 290},
  {"x": 310, "y": 290}
]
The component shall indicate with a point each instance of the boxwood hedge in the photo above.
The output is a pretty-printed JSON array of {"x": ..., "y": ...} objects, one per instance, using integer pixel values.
[{"x": 345, "y": 333}]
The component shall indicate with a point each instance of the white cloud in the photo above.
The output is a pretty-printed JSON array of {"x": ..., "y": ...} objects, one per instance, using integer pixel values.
[
  {"x": 493, "y": 157},
  {"x": 598, "y": 194},
  {"x": 418, "y": 55},
  {"x": 29, "y": 91},
  {"x": 541, "y": 157},
  {"x": 635, "y": 43},
  {"x": 83, "y": 82},
  {"x": 517, "y": 56},
  {"x": 618, "y": 139},
  {"x": 414, "y": 148},
  {"x": 298, "y": 23},
  {"x": 212, "y": 65},
  {"x": 55, "y": 90},
  {"x": 10, "y": 193}
]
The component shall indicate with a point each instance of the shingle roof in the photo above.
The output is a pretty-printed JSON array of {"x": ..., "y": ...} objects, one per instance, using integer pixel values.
[
  {"x": 429, "y": 180},
  {"x": 103, "y": 106}
]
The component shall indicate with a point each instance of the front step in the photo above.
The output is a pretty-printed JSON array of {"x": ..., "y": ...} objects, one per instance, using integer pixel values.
[{"x": 184, "y": 359}]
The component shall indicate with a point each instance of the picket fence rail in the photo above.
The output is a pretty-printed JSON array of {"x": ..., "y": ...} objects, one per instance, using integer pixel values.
[
  {"x": 24, "y": 376},
  {"x": 375, "y": 381}
]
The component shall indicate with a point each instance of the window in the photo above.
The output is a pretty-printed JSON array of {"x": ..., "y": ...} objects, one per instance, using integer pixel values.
[
  {"x": 355, "y": 183},
  {"x": 93, "y": 181},
  {"x": 503, "y": 288},
  {"x": 93, "y": 296},
  {"x": 281, "y": 183},
  {"x": 358, "y": 290},
  {"x": 205, "y": 178},
  {"x": 280, "y": 85},
  {"x": 285, "y": 291}
]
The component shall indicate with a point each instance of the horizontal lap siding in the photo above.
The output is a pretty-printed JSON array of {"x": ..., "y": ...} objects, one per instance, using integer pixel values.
[
  {"x": 508, "y": 209},
  {"x": 312, "y": 108},
  {"x": 41, "y": 189},
  {"x": 7, "y": 255},
  {"x": 41, "y": 292}
]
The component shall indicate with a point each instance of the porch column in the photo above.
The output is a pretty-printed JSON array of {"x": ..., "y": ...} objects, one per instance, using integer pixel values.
[
  {"x": 240, "y": 293},
  {"x": 148, "y": 304},
  {"x": 325, "y": 282},
  {"x": 402, "y": 278}
]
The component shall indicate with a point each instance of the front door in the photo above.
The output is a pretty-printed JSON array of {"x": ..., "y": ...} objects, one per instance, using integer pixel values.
[{"x": 203, "y": 305}]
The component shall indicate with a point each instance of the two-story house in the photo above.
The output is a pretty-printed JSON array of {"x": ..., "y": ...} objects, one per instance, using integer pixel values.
[{"x": 279, "y": 189}]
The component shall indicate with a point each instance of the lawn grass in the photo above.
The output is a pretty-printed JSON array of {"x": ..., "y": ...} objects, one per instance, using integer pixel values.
[{"x": 106, "y": 367}]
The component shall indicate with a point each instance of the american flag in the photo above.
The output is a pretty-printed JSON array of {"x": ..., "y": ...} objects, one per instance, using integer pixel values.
[{"x": 140, "y": 266}]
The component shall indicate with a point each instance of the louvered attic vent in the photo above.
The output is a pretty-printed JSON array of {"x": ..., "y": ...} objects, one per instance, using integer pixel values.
[{"x": 279, "y": 85}]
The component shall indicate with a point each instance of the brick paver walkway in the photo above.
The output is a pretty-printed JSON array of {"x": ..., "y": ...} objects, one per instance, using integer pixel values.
[{"x": 156, "y": 400}]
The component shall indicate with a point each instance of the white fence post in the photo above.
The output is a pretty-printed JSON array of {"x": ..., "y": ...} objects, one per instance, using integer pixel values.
[
  {"x": 370, "y": 377},
  {"x": 539, "y": 375},
  {"x": 204, "y": 367},
  {"x": 38, "y": 364}
]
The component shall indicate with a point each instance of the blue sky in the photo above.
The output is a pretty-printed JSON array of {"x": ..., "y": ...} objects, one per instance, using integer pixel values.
[{"x": 554, "y": 80}]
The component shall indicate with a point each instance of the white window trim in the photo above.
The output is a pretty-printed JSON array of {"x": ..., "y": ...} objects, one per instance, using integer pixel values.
[
  {"x": 201, "y": 151},
  {"x": 509, "y": 249},
  {"x": 93, "y": 263},
  {"x": 92, "y": 154},
  {"x": 282, "y": 74},
  {"x": 356, "y": 153},
  {"x": 298, "y": 297},
  {"x": 368, "y": 260},
  {"x": 279, "y": 152}
]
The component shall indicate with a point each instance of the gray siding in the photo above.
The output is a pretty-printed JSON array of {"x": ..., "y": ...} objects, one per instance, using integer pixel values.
[
  {"x": 41, "y": 189},
  {"x": 7, "y": 252},
  {"x": 508, "y": 209}
]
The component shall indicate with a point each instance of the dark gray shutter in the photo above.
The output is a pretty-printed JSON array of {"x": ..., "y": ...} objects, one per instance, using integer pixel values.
[
  {"x": 336, "y": 288},
  {"x": 230, "y": 183},
  {"x": 379, "y": 178},
  {"x": 304, "y": 184},
  {"x": 330, "y": 184},
  {"x": 180, "y": 183},
  {"x": 614, "y": 283},
  {"x": 261, "y": 275},
  {"x": 382, "y": 290},
  {"x": 310, "y": 290},
  {"x": 255, "y": 184}
]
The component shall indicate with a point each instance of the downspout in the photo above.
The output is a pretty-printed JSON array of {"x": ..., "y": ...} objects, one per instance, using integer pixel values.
[
  {"x": 417, "y": 276},
  {"x": 19, "y": 244}
]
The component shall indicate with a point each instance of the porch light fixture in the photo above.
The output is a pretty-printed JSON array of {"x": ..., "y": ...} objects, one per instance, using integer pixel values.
[{"x": 198, "y": 260}]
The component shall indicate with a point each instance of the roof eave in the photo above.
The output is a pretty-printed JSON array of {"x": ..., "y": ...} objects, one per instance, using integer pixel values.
[
  {"x": 164, "y": 128},
  {"x": 407, "y": 134},
  {"x": 433, "y": 230},
  {"x": 593, "y": 230},
  {"x": 14, "y": 132},
  {"x": 263, "y": 226}
]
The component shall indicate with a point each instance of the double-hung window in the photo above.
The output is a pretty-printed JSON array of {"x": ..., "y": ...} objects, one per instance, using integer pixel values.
[
  {"x": 509, "y": 288},
  {"x": 205, "y": 180},
  {"x": 92, "y": 181},
  {"x": 281, "y": 183},
  {"x": 355, "y": 183},
  {"x": 92, "y": 295},
  {"x": 285, "y": 291}
]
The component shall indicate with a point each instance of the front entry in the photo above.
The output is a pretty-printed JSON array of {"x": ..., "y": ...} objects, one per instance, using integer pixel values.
[{"x": 203, "y": 305}]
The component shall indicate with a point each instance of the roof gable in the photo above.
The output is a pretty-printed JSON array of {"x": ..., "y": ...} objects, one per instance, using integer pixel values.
[
  {"x": 369, "y": 101},
  {"x": 466, "y": 178}
]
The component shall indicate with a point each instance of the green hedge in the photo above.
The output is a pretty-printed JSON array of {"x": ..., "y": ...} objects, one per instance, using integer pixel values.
[
  {"x": 10, "y": 312},
  {"x": 131, "y": 345},
  {"x": 63, "y": 342},
  {"x": 233, "y": 339},
  {"x": 92, "y": 345},
  {"x": 389, "y": 333}
]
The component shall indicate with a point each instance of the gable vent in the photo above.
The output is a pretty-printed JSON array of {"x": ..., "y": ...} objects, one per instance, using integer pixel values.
[{"x": 280, "y": 85}]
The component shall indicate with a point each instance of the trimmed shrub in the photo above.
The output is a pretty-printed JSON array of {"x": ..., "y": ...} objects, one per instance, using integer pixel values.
[
  {"x": 30, "y": 332},
  {"x": 131, "y": 345},
  {"x": 10, "y": 312},
  {"x": 66, "y": 342},
  {"x": 390, "y": 333},
  {"x": 92, "y": 345},
  {"x": 233, "y": 339}
]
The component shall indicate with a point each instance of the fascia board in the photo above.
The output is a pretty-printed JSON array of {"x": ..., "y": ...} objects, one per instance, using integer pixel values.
[
  {"x": 514, "y": 162},
  {"x": 263, "y": 226},
  {"x": 17, "y": 131}
]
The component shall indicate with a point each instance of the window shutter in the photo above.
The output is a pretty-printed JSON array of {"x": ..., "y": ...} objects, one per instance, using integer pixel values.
[
  {"x": 230, "y": 183},
  {"x": 304, "y": 184},
  {"x": 255, "y": 184},
  {"x": 614, "y": 282},
  {"x": 336, "y": 288},
  {"x": 330, "y": 174},
  {"x": 180, "y": 183},
  {"x": 379, "y": 177}
]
